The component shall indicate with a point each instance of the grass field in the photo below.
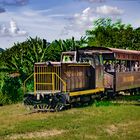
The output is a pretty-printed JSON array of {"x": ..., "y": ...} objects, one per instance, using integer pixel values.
[{"x": 100, "y": 121}]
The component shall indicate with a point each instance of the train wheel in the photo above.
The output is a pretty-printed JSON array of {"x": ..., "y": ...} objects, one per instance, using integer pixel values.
[
  {"x": 111, "y": 95},
  {"x": 28, "y": 103},
  {"x": 61, "y": 102},
  {"x": 60, "y": 106}
]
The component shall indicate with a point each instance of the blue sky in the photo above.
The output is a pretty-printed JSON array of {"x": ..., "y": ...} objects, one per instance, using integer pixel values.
[{"x": 54, "y": 19}]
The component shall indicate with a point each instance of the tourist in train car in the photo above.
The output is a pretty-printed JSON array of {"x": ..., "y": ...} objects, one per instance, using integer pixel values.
[
  {"x": 136, "y": 66},
  {"x": 117, "y": 67},
  {"x": 123, "y": 67},
  {"x": 107, "y": 66},
  {"x": 112, "y": 67}
]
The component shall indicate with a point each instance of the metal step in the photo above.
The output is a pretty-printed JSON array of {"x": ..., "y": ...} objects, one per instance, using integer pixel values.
[{"x": 44, "y": 92}]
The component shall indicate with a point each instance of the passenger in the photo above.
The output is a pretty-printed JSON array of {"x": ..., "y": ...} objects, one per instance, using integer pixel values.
[
  {"x": 133, "y": 66},
  {"x": 107, "y": 66},
  {"x": 112, "y": 67},
  {"x": 136, "y": 66},
  {"x": 127, "y": 69},
  {"x": 123, "y": 67},
  {"x": 117, "y": 67}
]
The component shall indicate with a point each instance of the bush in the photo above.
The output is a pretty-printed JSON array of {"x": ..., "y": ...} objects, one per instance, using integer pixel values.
[
  {"x": 4, "y": 99},
  {"x": 30, "y": 86},
  {"x": 11, "y": 91}
]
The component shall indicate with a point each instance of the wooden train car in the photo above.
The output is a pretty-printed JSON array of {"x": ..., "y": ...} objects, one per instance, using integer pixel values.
[
  {"x": 125, "y": 71},
  {"x": 83, "y": 74}
]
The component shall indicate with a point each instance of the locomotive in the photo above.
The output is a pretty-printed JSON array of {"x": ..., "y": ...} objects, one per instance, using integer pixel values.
[{"x": 81, "y": 76}]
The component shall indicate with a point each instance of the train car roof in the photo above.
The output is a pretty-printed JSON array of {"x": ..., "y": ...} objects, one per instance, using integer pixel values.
[
  {"x": 115, "y": 50},
  {"x": 104, "y": 50},
  {"x": 47, "y": 63},
  {"x": 114, "y": 53}
]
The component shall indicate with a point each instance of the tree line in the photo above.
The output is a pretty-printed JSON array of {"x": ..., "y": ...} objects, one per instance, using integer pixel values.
[{"x": 20, "y": 58}]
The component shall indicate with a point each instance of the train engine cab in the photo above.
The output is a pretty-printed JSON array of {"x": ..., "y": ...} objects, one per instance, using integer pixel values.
[{"x": 76, "y": 78}]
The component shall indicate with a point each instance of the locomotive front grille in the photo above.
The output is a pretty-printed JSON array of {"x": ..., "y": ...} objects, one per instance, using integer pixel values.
[{"x": 47, "y": 79}]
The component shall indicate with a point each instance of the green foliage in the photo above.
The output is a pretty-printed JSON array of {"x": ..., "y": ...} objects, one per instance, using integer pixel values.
[
  {"x": 1, "y": 50},
  {"x": 136, "y": 39},
  {"x": 30, "y": 86},
  {"x": 4, "y": 99},
  {"x": 107, "y": 33},
  {"x": 22, "y": 56},
  {"x": 11, "y": 91}
]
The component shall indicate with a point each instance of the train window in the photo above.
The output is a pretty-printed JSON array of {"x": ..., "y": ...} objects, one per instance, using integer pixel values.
[
  {"x": 87, "y": 59},
  {"x": 127, "y": 66},
  {"x": 109, "y": 66},
  {"x": 68, "y": 58}
]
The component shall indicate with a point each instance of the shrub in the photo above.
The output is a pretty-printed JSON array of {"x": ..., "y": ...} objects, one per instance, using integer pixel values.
[{"x": 11, "y": 91}]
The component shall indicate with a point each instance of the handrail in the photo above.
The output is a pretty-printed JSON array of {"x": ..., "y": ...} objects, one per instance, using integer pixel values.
[
  {"x": 26, "y": 81},
  {"x": 65, "y": 85},
  {"x": 53, "y": 82}
]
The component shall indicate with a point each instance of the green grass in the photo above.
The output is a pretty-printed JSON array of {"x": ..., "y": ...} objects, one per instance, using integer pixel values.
[{"x": 99, "y": 121}]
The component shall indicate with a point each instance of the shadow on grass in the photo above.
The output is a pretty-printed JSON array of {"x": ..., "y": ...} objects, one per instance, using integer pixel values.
[
  {"x": 96, "y": 103},
  {"x": 116, "y": 101}
]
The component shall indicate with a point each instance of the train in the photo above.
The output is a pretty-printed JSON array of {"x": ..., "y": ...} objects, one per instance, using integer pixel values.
[{"x": 81, "y": 76}]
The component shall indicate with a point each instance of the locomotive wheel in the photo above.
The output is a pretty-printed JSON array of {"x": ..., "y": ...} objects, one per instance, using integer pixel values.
[
  {"x": 50, "y": 104},
  {"x": 60, "y": 106},
  {"x": 57, "y": 102},
  {"x": 28, "y": 103},
  {"x": 43, "y": 108}
]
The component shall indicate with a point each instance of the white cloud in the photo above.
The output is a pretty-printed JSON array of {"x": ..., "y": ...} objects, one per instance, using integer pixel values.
[
  {"x": 80, "y": 22},
  {"x": 37, "y": 22},
  {"x": 85, "y": 18},
  {"x": 109, "y": 10},
  {"x": 13, "y": 30}
]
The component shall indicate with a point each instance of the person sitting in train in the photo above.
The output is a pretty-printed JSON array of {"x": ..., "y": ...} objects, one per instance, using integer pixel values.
[
  {"x": 107, "y": 66},
  {"x": 117, "y": 66},
  {"x": 127, "y": 69},
  {"x": 112, "y": 67},
  {"x": 123, "y": 67},
  {"x": 132, "y": 67},
  {"x": 136, "y": 66}
]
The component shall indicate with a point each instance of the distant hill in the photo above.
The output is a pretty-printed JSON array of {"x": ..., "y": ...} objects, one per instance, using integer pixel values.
[{"x": 1, "y": 50}]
